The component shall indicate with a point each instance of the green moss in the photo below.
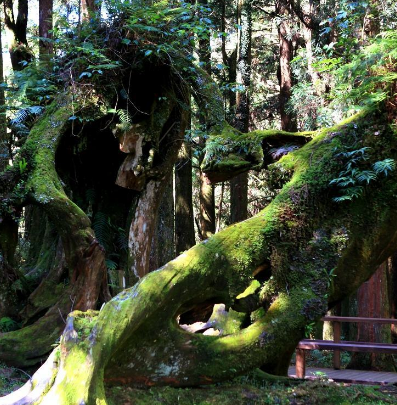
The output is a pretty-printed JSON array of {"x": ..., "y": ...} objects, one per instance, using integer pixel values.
[{"x": 248, "y": 390}]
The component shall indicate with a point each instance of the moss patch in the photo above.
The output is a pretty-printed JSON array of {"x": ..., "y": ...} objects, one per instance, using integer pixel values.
[{"x": 247, "y": 391}]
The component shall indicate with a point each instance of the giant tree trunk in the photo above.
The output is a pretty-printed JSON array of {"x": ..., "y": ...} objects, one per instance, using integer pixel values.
[{"x": 301, "y": 255}]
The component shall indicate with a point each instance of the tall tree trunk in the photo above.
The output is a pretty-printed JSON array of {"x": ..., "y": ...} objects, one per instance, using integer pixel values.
[
  {"x": 143, "y": 226},
  {"x": 45, "y": 27},
  {"x": 20, "y": 53},
  {"x": 288, "y": 123},
  {"x": 373, "y": 302},
  {"x": 184, "y": 217},
  {"x": 239, "y": 184},
  {"x": 4, "y": 139},
  {"x": 163, "y": 243},
  {"x": 206, "y": 190},
  {"x": 392, "y": 284},
  {"x": 90, "y": 9}
]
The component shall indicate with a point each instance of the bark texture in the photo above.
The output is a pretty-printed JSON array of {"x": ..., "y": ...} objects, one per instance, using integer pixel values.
[
  {"x": 239, "y": 184},
  {"x": 20, "y": 53},
  {"x": 45, "y": 27},
  {"x": 184, "y": 218}
]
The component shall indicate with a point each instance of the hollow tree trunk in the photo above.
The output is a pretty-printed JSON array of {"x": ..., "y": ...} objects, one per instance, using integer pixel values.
[
  {"x": 309, "y": 251},
  {"x": 85, "y": 257}
]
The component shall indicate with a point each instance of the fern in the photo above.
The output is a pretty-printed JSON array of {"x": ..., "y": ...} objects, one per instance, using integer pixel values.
[
  {"x": 124, "y": 116},
  {"x": 366, "y": 176},
  {"x": 384, "y": 166},
  {"x": 102, "y": 229},
  {"x": 111, "y": 264}
]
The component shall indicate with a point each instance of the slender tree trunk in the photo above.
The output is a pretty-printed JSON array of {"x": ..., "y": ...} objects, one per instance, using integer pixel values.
[
  {"x": 288, "y": 123},
  {"x": 184, "y": 218},
  {"x": 4, "y": 139},
  {"x": 206, "y": 191},
  {"x": 20, "y": 53},
  {"x": 90, "y": 9},
  {"x": 239, "y": 184},
  {"x": 45, "y": 27},
  {"x": 207, "y": 207}
]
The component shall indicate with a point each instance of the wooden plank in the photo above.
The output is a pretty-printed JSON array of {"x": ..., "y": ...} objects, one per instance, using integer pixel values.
[
  {"x": 337, "y": 334},
  {"x": 348, "y": 346},
  {"x": 359, "y": 319},
  {"x": 356, "y": 376},
  {"x": 300, "y": 363}
]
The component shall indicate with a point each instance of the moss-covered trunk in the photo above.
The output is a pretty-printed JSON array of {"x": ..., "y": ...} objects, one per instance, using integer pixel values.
[
  {"x": 280, "y": 270},
  {"x": 85, "y": 257}
]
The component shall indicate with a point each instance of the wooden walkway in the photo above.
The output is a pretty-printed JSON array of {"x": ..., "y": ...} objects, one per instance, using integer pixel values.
[{"x": 352, "y": 376}]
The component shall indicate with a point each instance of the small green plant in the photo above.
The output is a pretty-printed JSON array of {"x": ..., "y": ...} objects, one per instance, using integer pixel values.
[
  {"x": 22, "y": 165},
  {"x": 7, "y": 324},
  {"x": 352, "y": 178}
]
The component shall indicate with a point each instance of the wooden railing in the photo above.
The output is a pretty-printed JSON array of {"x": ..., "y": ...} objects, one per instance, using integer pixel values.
[{"x": 337, "y": 345}]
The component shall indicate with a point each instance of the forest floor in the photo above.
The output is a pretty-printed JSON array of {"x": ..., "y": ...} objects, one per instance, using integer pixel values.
[{"x": 241, "y": 391}]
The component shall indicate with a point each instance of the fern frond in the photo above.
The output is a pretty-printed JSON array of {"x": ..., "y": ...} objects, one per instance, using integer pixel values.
[
  {"x": 366, "y": 176},
  {"x": 124, "y": 116},
  {"x": 102, "y": 229},
  {"x": 384, "y": 166}
]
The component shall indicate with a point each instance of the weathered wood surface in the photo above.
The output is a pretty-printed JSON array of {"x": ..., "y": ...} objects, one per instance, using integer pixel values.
[
  {"x": 353, "y": 376},
  {"x": 367, "y": 347},
  {"x": 355, "y": 319}
]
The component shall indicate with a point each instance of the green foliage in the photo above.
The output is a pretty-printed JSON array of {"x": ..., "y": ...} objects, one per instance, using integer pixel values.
[
  {"x": 22, "y": 165},
  {"x": 353, "y": 176},
  {"x": 111, "y": 237},
  {"x": 367, "y": 78},
  {"x": 7, "y": 325}
]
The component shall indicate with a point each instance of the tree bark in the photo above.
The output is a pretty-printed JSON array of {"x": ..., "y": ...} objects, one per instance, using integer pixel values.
[
  {"x": 20, "y": 53},
  {"x": 184, "y": 218},
  {"x": 288, "y": 122},
  {"x": 239, "y": 184},
  {"x": 373, "y": 302},
  {"x": 46, "y": 47},
  {"x": 143, "y": 225},
  {"x": 4, "y": 138},
  {"x": 206, "y": 190},
  {"x": 90, "y": 9}
]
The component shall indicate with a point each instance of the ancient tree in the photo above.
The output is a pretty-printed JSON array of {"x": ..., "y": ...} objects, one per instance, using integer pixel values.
[{"x": 274, "y": 273}]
